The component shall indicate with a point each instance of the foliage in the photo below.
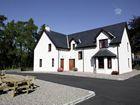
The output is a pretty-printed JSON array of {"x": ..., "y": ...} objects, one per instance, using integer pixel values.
[
  {"x": 114, "y": 73},
  {"x": 17, "y": 42},
  {"x": 135, "y": 34},
  {"x": 75, "y": 69}
]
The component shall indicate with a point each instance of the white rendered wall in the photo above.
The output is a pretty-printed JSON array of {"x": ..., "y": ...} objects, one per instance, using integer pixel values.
[
  {"x": 71, "y": 54},
  {"x": 41, "y": 52},
  {"x": 87, "y": 58},
  {"x": 124, "y": 54},
  {"x": 88, "y": 53}
]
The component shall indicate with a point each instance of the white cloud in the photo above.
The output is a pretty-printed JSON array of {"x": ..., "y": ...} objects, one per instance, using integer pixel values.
[{"x": 118, "y": 11}]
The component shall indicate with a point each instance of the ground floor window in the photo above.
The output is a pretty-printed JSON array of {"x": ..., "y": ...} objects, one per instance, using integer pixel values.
[
  {"x": 40, "y": 62},
  {"x": 101, "y": 62},
  {"x": 128, "y": 62},
  {"x": 80, "y": 55},
  {"x": 109, "y": 63},
  {"x": 52, "y": 62}
]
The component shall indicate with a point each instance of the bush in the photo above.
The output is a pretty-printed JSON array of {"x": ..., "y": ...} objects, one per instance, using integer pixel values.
[
  {"x": 26, "y": 69},
  {"x": 60, "y": 69},
  {"x": 115, "y": 73},
  {"x": 137, "y": 67},
  {"x": 75, "y": 69}
]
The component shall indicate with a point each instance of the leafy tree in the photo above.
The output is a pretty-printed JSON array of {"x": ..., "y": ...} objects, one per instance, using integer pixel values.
[
  {"x": 2, "y": 52},
  {"x": 17, "y": 42},
  {"x": 40, "y": 31},
  {"x": 135, "y": 34},
  {"x": 31, "y": 33}
]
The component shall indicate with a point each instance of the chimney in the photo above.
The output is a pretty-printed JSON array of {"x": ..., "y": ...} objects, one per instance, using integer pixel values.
[{"x": 48, "y": 28}]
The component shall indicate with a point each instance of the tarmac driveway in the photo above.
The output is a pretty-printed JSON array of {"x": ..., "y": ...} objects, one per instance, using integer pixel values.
[{"x": 108, "y": 92}]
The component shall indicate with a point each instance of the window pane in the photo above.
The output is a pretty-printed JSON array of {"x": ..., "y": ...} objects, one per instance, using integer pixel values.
[
  {"x": 49, "y": 47},
  {"x": 109, "y": 62},
  {"x": 40, "y": 62},
  {"x": 101, "y": 62},
  {"x": 80, "y": 55},
  {"x": 52, "y": 62},
  {"x": 103, "y": 43}
]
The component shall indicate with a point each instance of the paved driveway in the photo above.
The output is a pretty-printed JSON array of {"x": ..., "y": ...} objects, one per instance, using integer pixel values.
[{"x": 108, "y": 92}]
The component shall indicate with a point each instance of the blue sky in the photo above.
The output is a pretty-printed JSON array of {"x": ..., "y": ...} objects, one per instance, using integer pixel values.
[{"x": 70, "y": 16}]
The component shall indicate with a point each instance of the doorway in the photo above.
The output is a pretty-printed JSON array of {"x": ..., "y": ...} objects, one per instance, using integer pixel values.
[{"x": 71, "y": 64}]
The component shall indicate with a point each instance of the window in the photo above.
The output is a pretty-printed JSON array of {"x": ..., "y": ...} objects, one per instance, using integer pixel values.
[
  {"x": 127, "y": 47},
  {"x": 128, "y": 62},
  {"x": 101, "y": 62},
  {"x": 109, "y": 63},
  {"x": 103, "y": 43},
  {"x": 73, "y": 46},
  {"x": 40, "y": 62},
  {"x": 52, "y": 62},
  {"x": 49, "y": 47},
  {"x": 80, "y": 55}
]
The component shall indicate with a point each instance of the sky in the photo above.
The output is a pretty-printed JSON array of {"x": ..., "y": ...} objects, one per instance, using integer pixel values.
[{"x": 70, "y": 16}]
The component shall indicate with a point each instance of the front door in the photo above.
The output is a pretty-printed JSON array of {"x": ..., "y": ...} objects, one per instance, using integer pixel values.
[
  {"x": 62, "y": 63},
  {"x": 71, "y": 64}
]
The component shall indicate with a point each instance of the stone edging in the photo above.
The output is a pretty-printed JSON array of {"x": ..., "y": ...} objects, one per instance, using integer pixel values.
[{"x": 91, "y": 94}]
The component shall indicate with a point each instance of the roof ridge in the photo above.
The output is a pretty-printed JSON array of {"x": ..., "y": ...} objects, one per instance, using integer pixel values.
[{"x": 99, "y": 28}]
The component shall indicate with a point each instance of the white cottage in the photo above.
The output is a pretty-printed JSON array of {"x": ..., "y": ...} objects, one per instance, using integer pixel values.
[{"x": 101, "y": 50}]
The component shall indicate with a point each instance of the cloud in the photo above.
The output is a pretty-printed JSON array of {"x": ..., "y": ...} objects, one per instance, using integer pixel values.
[{"x": 118, "y": 11}]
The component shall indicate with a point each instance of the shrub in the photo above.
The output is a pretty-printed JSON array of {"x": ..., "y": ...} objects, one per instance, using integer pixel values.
[
  {"x": 60, "y": 69},
  {"x": 137, "y": 67},
  {"x": 115, "y": 73},
  {"x": 75, "y": 69}
]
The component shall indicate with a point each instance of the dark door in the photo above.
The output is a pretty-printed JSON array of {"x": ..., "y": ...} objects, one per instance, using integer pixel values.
[
  {"x": 71, "y": 64},
  {"x": 62, "y": 63}
]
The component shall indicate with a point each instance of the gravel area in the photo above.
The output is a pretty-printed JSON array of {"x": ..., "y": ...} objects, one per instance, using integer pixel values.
[{"x": 48, "y": 93}]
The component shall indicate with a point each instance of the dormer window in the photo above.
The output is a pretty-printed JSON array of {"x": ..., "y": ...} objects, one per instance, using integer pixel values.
[
  {"x": 103, "y": 43},
  {"x": 49, "y": 47}
]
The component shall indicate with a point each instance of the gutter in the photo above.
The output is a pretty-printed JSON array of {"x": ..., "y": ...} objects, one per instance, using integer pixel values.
[
  {"x": 83, "y": 60},
  {"x": 118, "y": 59},
  {"x": 58, "y": 58}
]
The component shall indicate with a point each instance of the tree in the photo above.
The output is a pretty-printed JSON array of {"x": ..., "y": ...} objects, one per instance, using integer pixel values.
[
  {"x": 31, "y": 33},
  {"x": 40, "y": 31},
  {"x": 17, "y": 42},
  {"x": 135, "y": 34},
  {"x": 2, "y": 52},
  {"x": 25, "y": 41}
]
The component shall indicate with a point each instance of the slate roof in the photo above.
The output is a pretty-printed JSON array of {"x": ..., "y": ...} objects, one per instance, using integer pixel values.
[
  {"x": 88, "y": 38},
  {"x": 104, "y": 53},
  {"x": 58, "y": 39}
]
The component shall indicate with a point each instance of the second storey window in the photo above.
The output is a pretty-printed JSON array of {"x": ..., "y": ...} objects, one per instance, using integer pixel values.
[
  {"x": 80, "y": 55},
  {"x": 49, "y": 47},
  {"x": 103, "y": 43}
]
